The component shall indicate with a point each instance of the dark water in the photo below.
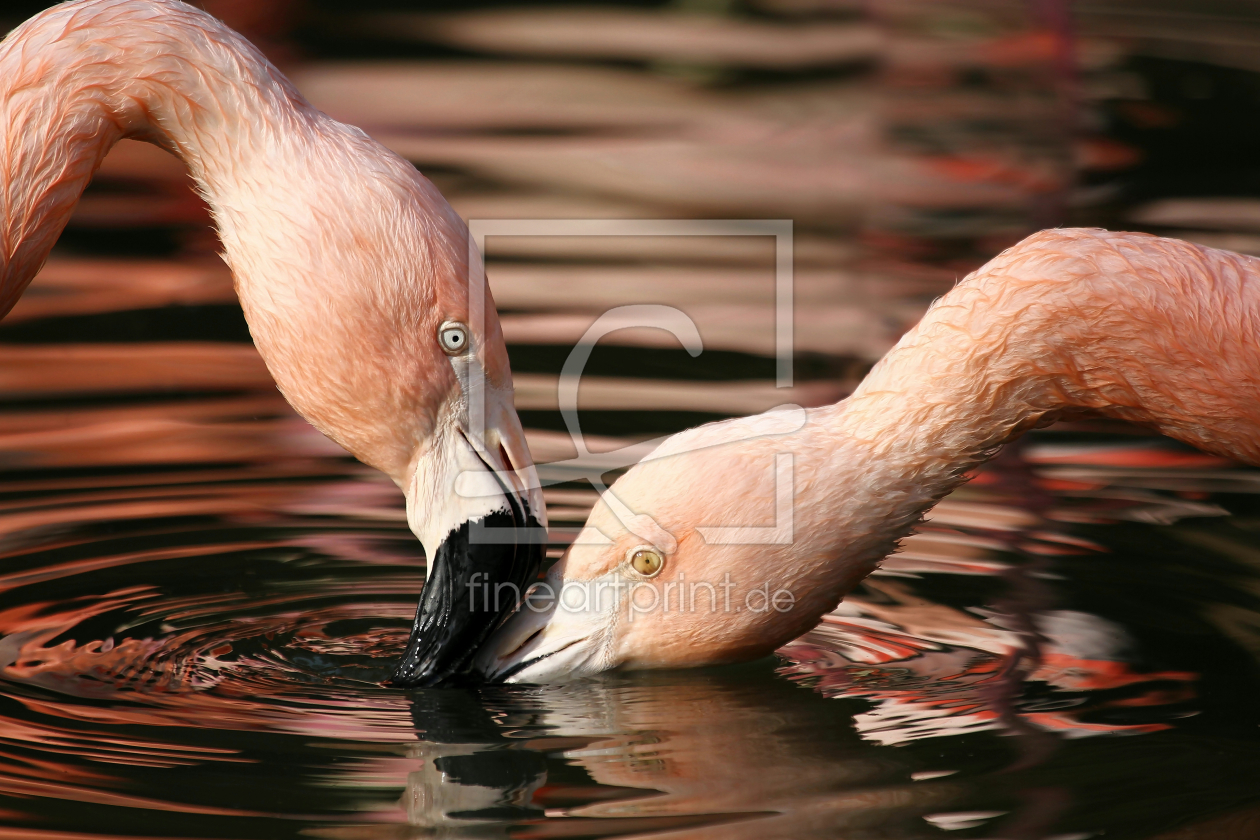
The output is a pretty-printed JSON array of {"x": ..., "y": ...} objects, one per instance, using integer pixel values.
[
  {"x": 193, "y": 651},
  {"x": 199, "y": 594}
]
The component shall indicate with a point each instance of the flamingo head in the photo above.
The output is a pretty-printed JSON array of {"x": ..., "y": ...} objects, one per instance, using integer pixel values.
[
  {"x": 379, "y": 327},
  {"x": 474, "y": 501},
  {"x": 473, "y": 496},
  {"x": 695, "y": 556}
]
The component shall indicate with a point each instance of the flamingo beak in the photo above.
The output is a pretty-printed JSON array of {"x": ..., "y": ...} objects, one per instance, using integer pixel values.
[
  {"x": 484, "y": 537},
  {"x": 562, "y": 632}
]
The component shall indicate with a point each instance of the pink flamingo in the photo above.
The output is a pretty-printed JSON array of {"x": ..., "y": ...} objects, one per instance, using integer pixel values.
[
  {"x": 1150, "y": 330},
  {"x": 350, "y": 266}
]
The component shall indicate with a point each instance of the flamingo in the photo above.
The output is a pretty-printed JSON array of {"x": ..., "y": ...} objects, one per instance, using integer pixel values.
[
  {"x": 350, "y": 266},
  {"x": 1126, "y": 325}
]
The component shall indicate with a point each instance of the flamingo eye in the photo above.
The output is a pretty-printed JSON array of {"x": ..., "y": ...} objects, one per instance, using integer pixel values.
[
  {"x": 646, "y": 560},
  {"x": 453, "y": 336}
]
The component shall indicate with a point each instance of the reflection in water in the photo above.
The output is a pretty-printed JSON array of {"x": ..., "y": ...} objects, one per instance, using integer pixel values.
[
  {"x": 199, "y": 594},
  {"x": 469, "y": 773}
]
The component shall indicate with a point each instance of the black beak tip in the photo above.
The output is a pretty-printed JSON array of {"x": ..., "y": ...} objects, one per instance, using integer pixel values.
[{"x": 476, "y": 580}]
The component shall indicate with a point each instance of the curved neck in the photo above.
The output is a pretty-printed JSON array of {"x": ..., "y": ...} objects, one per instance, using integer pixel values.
[
  {"x": 75, "y": 80},
  {"x": 1150, "y": 330},
  {"x": 338, "y": 247}
]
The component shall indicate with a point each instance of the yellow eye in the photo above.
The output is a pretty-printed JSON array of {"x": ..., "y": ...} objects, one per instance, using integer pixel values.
[
  {"x": 646, "y": 560},
  {"x": 453, "y": 336}
]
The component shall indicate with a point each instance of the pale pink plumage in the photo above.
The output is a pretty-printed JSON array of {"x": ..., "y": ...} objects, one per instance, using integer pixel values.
[{"x": 1150, "y": 330}]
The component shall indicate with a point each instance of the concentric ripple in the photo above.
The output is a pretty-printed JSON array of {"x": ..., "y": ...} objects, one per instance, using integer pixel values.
[{"x": 248, "y": 622}]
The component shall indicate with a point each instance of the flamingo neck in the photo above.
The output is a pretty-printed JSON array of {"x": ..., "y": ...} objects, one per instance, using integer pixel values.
[
  {"x": 339, "y": 249},
  {"x": 938, "y": 405},
  {"x": 1129, "y": 326},
  {"x": 906, "y": 438},
  {"x": 76, "y": 80}
]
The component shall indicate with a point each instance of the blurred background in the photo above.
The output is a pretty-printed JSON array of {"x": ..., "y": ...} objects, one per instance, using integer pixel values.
[
  {"x": 198, "y": 592},
  {"x": 907, "y": 141}
]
